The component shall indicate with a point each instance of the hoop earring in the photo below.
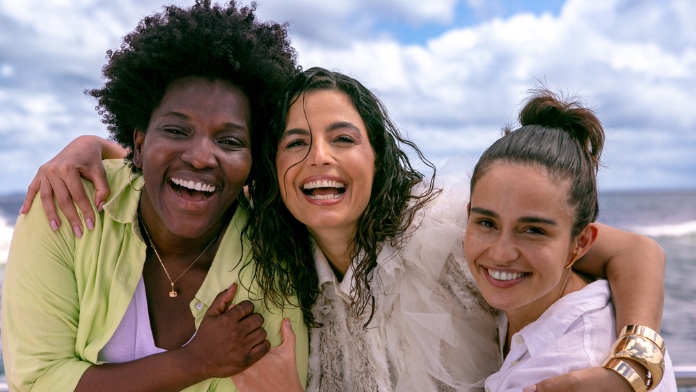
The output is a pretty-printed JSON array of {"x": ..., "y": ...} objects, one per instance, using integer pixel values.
[
  {"x": 243, "y": 201},
  {"x": 131, "y": 182},
  {"x": 575, "y": 258}
]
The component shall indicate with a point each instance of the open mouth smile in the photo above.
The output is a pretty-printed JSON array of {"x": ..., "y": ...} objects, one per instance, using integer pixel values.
[
  {"x": 505, "y": 275},
  {"x": 504, "y": 278},
  {"x": 192, "y": 190},
  {"x": 323, "y": 189}
]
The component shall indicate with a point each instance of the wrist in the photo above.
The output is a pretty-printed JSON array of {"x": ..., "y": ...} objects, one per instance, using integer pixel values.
[{"x": 187, "y": 365}]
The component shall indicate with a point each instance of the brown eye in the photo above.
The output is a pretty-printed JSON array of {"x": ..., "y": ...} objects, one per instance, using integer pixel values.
[
  {"x": 233, "y": 143},
  {"x": 345, "y": 139},
  {"x": 173, "y": 131},
  {"x": 485, "y": 223},
  {"x": 295, "y": 143},
  {"x": 534, "y": 230}
]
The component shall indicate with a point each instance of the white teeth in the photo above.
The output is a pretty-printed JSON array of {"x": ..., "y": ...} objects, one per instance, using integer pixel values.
[
  {"x": 323, "y": 184},
  {"x": 324, "y": 197},
  {"x": 197, "y": 186},
  {"x": 503, "y": 275}
]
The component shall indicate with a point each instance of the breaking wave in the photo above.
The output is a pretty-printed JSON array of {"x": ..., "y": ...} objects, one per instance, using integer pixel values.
[{"x": 671, "y": 230}]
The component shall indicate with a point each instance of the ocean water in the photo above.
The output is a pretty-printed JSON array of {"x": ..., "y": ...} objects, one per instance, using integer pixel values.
[{"x": 669, "y": 217}]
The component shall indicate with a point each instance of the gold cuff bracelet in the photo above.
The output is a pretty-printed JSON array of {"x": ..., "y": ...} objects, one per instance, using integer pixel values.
[
  {"x": 627, "y": 372},
  {"x": 645, "y": 352},
  {"x": 645, "y": 332}
]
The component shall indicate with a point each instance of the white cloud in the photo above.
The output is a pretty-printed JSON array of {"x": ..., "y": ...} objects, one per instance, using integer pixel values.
[
  {"x": 338, "y": 23},
  {"x": 474, "y": 78},
  {"x": 633, "y": 61}
]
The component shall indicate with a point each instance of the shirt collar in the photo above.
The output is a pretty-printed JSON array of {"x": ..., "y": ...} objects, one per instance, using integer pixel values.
[
  {"x": 342, "y": 289},
  {"x": 123, "y": 204},
  {"x": 230, "y": 258},
  {"x": 558, "y": 318}
]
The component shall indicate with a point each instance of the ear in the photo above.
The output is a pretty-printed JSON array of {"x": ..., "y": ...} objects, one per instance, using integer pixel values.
[
  {"x": 584, "y": 240},
  {"x": 138, "y": 141}
]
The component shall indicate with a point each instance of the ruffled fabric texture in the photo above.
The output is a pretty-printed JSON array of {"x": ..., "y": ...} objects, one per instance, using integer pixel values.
[{"x": 431, "y": 331}]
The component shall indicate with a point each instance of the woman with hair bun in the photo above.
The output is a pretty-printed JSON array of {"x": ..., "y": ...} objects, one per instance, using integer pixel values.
[{"x": 532, "y": 210}]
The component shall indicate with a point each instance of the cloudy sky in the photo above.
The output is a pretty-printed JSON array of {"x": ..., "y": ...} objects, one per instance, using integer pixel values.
[{"x": 451, "y": 72}]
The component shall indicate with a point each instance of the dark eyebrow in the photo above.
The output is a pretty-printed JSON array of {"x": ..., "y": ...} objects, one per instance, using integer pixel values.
[
  {"x": 342, "y": 124},
  {"x": 526, "y": 219},
  {"x": 485, "y": 212},
  {"x": 331, "y": 127},
  {"x": 187, "y": 118},
  {"x": 295, "y": 131},
  {"x": 534, "y": 219}
]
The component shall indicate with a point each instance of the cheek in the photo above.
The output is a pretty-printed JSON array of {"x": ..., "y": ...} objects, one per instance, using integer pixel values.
[
  {"x": 549, "y": 261},
  {"x": 369, "y": 172},
  {"x": 471, "y": 247},
  {"x": 285, "y": 178},
  {"x": 239, "y": 166}
]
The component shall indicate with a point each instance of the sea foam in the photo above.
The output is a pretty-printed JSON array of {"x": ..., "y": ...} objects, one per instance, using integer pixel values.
[{"x": 673, "y": 230}]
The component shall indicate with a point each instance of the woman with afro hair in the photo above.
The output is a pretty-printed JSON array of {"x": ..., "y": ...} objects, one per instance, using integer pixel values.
[{"x": 154, "y": 296}]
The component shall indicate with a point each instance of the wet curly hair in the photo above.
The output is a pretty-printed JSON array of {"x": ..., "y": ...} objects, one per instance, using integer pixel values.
[
  {"x": 282, "y": 246},
  {"x": 210, "y": 41}
]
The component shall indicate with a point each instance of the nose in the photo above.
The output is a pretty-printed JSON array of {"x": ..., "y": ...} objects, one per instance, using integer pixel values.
[
  {"x": 320, "y": 153},
  {"x": 200, "y": 153},
  {"x": 503, "y": 249}
]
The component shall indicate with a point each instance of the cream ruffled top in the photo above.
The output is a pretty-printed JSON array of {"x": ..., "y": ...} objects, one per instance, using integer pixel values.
[{"x": 431, "y": 331}]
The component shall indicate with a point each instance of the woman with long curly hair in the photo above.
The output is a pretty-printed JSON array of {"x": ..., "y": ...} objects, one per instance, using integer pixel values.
[{"x": 372, "y": 250}]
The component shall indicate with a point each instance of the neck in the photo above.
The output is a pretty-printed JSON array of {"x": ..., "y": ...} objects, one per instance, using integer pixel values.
[
  {"x": 335, "y": 244},
  {"x": 172, "y": 246},
  {"x": 525, "y": 315}
]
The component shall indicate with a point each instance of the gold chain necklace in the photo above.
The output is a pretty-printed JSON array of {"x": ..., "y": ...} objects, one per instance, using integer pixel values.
[{"x": 173, "y": 293}]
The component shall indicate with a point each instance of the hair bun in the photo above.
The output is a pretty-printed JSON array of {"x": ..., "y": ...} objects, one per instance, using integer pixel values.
[{"x": 549, "y": 110}]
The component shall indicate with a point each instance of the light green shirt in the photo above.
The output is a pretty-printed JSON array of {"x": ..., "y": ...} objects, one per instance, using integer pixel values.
[{"x": 63, "y": 297}]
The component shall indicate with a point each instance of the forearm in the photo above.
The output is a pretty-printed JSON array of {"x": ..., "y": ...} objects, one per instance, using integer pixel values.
[
  {"x": 638, "y": 289},
  {"x": 109, "y": 149},
  {"x": 41, "y": 315},
  {"x": 168, "y": 371},
  {"x": 635, "y": 268}
]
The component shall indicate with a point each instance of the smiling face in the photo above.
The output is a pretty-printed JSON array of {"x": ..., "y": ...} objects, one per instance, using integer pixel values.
[
  {"x": 195, "y": 156},
  {"x": 518, "y": 239},
  {"x": 325, "y": 163}
]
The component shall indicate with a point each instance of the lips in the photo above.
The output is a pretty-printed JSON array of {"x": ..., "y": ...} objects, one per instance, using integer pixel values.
[{"x": 323, "y": 189}]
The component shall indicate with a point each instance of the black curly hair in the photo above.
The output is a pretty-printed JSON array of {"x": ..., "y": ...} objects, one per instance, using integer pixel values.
[
  {"x": 281, "y": 245},
  {"x": 208, "y": 41}
]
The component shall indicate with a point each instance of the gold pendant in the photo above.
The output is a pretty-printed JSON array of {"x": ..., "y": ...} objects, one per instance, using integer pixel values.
[{"x": 173, "y": 294}]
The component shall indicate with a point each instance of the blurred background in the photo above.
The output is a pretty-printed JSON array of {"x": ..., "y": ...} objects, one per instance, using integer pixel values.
[{"x": 451, "y": 72}]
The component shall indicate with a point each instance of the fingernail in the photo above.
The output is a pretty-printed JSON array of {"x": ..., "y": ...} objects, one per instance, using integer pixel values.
[
  {"x": 21, "y": 210},
  {"x": 78, "y": 231},
  {"x": 101, "y": 207},
  {"x": 90, "y": 224},
  {"x": 54, "y": 225},
  {"x": 531, "y": 388}
]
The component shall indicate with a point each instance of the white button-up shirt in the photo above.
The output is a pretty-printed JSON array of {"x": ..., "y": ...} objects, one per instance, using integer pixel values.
[{"x": 574, "y": 333}]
